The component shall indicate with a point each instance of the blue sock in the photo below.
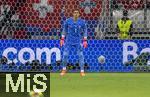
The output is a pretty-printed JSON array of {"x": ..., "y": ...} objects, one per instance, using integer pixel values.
[
  {"x": 65, "y": 59},
  {"x": 81, "y": 61}
]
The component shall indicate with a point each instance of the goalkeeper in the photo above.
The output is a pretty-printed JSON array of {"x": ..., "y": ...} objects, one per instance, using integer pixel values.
[{"x": 74, "y": 34}]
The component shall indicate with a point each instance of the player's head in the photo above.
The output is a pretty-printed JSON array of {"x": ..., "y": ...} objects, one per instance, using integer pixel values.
[
  {"x": 125, "y": 13},
  {"x": 76, "y": 13}
]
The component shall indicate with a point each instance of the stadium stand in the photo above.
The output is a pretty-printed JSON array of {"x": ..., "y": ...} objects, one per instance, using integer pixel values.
[{"x": 36, "y": 19}]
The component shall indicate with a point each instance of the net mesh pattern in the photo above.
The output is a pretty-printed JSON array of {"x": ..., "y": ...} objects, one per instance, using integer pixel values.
[{"x": 43, "y": 20}]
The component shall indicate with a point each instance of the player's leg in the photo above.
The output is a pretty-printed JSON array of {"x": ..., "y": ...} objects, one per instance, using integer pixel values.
[
  {"x": 81, "y": 60},
  {"x": 64, "y": 61}
]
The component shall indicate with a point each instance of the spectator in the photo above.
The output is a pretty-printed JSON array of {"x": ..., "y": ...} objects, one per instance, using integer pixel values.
[
  {"x": 124, "y": 26},
  {"x": 9, "y": 18}
]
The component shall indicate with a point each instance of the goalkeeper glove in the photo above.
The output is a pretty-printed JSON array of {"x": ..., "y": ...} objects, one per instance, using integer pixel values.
[
  {"x": 62, "y": 41},
  {"x": 85, "y": 43}
]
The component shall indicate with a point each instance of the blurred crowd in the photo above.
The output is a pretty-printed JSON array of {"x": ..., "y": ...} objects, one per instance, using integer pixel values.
[{"x": 43, "y": 19}]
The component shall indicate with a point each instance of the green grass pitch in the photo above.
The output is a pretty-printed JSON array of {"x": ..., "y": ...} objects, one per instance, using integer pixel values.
[{"x": 100, "y": 85}]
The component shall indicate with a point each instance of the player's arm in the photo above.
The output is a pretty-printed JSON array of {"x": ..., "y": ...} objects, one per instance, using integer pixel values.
[
  {"x": 117, "y": 31},
  {"x": 85, "y": 35},
  {"x": 65, "y": 28},
  {"x": 131, "y": 31}
]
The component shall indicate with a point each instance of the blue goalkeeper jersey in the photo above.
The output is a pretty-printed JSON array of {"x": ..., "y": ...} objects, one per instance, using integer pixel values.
[{"x": 74, "y": 31}]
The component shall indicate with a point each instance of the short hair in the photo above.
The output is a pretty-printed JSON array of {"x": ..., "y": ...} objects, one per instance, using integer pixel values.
[{"x": 76, "y": 9}]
